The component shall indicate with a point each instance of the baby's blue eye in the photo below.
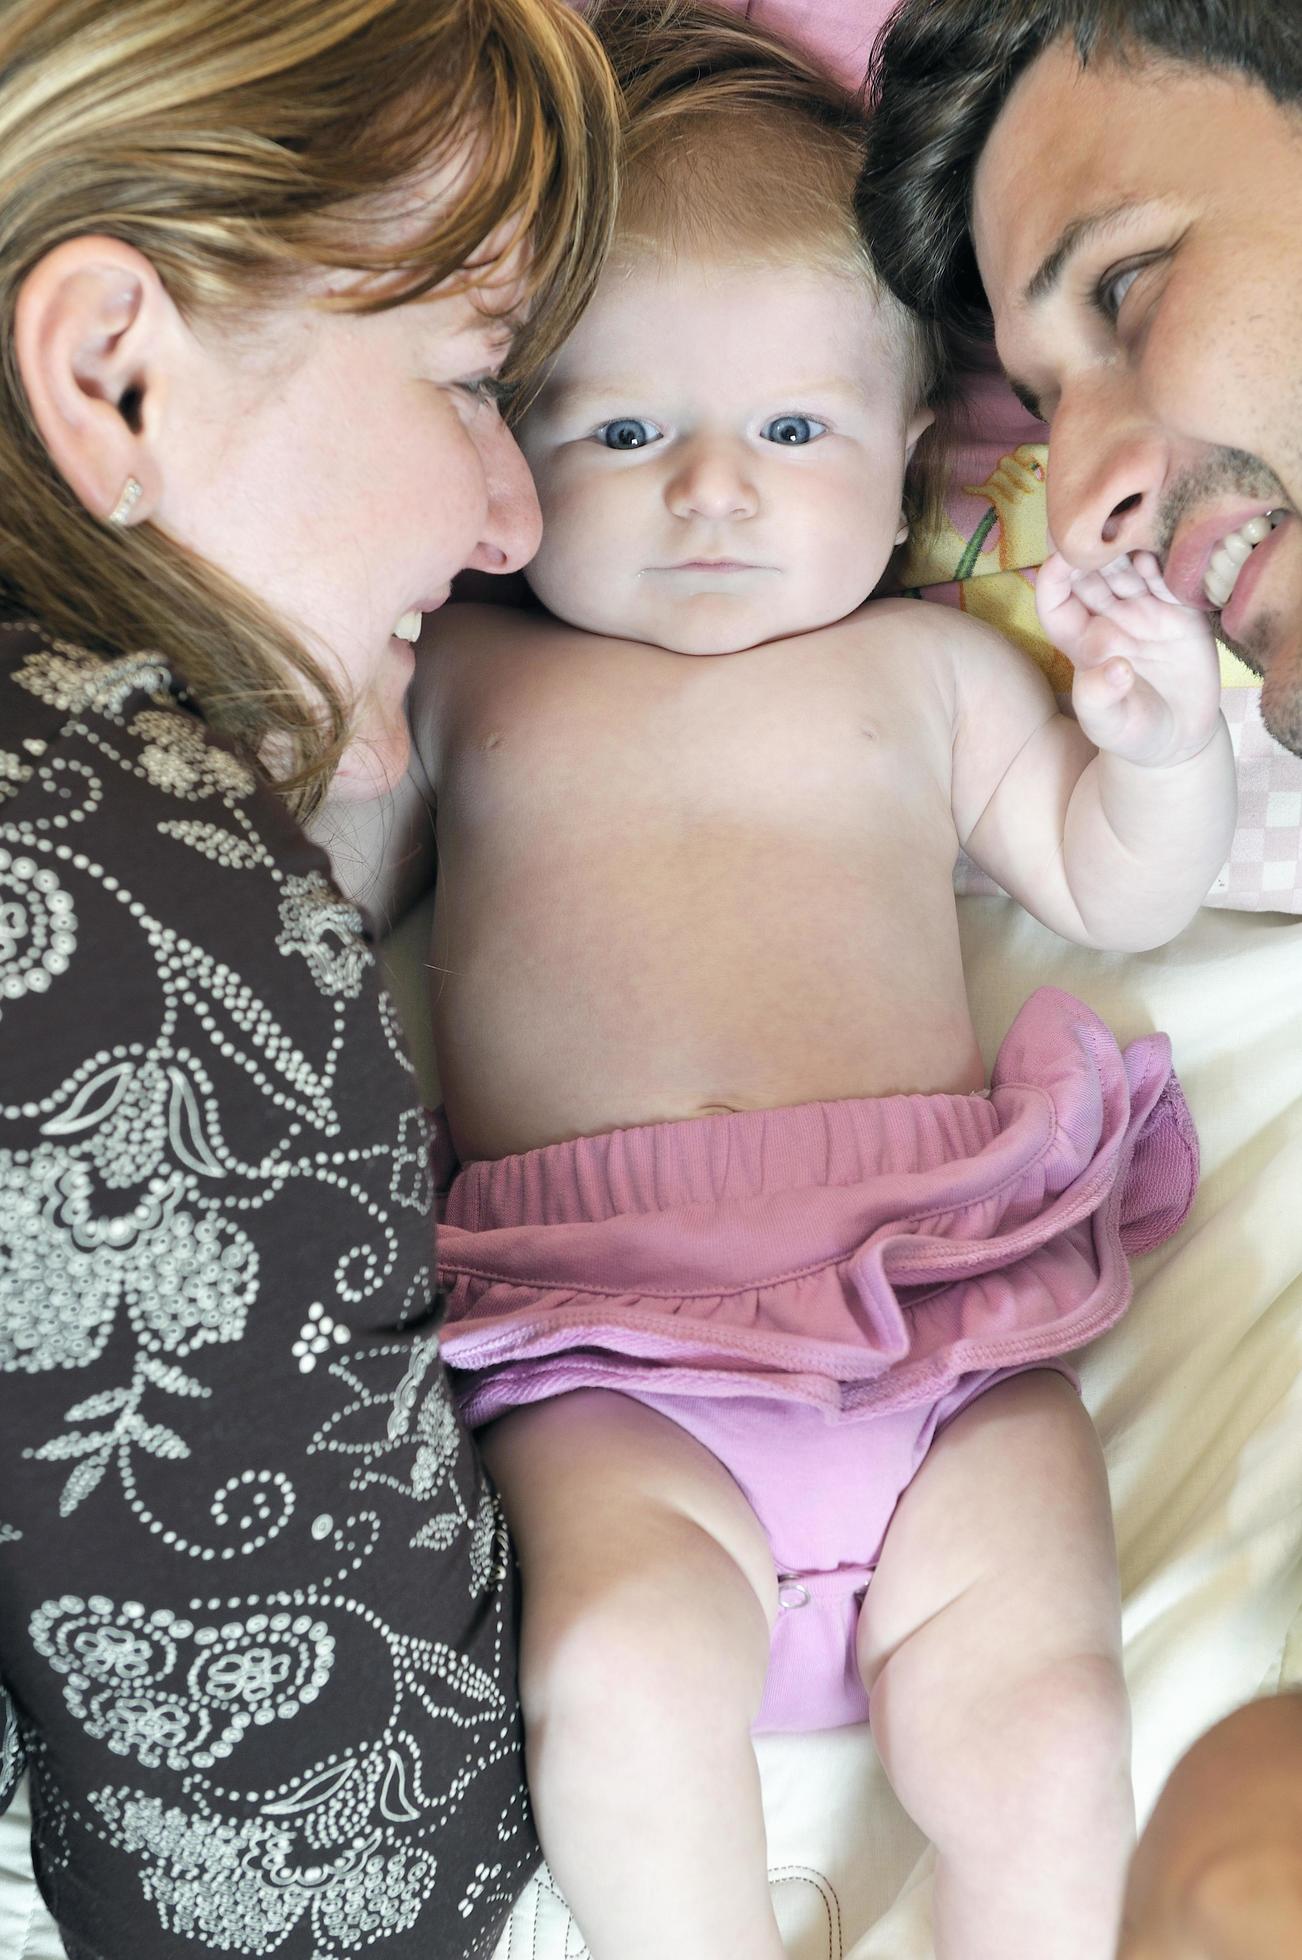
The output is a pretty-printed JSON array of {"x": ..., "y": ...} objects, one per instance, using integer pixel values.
[
  {"x": 627, "y": 433},
  {"x": 793, "y": 430}
]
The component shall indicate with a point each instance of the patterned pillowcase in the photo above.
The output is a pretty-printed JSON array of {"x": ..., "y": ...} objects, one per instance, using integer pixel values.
[{"x": 983, "y": 556}]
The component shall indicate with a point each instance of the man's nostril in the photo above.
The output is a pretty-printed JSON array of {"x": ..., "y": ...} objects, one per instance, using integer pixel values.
[{"x": 1112, "y": 524}]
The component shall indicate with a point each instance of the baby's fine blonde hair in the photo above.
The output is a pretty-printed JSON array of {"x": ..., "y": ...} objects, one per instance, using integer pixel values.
[
  {"x": 242, "y": 145},
  {"x": 740, "y": 148}
]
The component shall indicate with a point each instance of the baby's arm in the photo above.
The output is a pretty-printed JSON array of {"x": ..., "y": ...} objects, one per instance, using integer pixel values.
[{"x": 1111, "y": 828}]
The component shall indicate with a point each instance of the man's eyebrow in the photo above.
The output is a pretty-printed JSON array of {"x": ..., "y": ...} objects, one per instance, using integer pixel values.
[{"x": 1081, "y": 231}]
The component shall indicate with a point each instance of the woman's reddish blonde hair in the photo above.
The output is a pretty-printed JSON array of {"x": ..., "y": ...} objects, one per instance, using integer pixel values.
[{"x": 242, "y": 145}]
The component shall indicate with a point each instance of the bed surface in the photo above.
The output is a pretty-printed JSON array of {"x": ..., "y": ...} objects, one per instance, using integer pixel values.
[{"x": 1197, "y": 1395}]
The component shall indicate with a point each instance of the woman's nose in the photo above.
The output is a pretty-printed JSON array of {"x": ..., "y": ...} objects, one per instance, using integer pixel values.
[
  {"x": 512, "y": 527},
  {"x": 712, "y": 479},
  {"x": 1107, "y": 465}
]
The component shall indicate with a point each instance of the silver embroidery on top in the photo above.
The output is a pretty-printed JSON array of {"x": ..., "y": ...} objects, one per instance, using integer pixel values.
[{"x": 132, "y": 1219}]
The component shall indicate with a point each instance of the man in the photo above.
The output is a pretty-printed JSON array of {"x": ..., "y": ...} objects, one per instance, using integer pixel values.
[{"x": 1117, "y": 186}]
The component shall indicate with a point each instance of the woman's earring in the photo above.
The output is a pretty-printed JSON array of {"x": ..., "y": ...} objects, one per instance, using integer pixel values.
[
  {"x": 903, "y": 531},
  {"x": 126, "y": 503}
]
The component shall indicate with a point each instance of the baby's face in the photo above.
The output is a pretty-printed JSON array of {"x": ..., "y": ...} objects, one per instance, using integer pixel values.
[{"x": 719, "y": 455}]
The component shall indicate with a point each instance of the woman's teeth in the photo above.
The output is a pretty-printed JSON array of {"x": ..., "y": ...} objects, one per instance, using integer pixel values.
[
  {"x": 408, "y": 627},
  {"x": 1232, "y": 553}
]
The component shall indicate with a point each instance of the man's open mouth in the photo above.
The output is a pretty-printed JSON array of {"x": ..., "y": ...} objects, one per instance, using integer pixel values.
[{"x": 1233, "y": 553}]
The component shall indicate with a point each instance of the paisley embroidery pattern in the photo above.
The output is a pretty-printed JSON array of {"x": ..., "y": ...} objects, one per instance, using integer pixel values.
[{"x": 215, "y": 1195}]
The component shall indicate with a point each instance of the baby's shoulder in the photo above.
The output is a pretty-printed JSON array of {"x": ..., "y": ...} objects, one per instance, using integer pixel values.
[
  {"x": 485, "y": 636},
  {"x": 474, "y": 622},
  {"x": 957, "y": 644}
]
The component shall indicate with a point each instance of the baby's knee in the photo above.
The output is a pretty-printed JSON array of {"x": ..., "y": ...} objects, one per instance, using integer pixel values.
[
  {"x": 1070, "y": 1715},
  {"x": 668, "y": 1621},
  {"x": 1026, "y": 1750}
]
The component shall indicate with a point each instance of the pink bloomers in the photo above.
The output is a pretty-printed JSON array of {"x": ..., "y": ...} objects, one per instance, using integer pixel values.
[{"x": 813, "y": 1292}]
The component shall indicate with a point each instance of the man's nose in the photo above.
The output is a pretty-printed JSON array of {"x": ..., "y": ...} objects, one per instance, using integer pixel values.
[
  {"x": 512, "y": 528},
  {"x": 1107, "y": 465},
  {"x": 711, "y": 477}
]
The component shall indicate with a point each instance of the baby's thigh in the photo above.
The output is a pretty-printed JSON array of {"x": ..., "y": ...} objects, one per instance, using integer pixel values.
[
  {"x": 602, "y": 1493},
  {"x": 1002, "y": 1547}
]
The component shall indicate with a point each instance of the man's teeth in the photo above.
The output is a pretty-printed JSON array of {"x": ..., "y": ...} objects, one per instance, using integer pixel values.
[
  {"x": 408, "y": 627},
  {"x": 1232, "y": 553}
]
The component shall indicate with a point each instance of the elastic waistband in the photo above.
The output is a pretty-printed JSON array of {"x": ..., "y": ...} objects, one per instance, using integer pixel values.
[{"x": 748, "y": 1153}]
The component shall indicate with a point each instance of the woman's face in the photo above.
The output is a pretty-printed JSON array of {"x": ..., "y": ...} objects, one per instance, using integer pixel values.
[{"x": 344, "y": 468}]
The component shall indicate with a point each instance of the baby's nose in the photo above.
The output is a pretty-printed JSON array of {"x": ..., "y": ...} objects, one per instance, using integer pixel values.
[{"x": 712, "y": 479}]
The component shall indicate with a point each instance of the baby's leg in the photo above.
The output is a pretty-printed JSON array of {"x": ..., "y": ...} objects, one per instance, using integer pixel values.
[
  {"x": 990, "y": 1645},
  {"x": 649, "y": 1592}
]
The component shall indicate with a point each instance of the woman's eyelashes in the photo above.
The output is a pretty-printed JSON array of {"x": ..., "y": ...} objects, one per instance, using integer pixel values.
[{"x": 488, "y": 389}]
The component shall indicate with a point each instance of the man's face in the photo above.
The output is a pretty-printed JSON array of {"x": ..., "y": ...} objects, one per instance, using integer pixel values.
[{"x": 1139, "y": 233}]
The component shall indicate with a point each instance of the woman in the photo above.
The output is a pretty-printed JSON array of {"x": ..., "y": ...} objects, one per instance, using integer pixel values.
[{"x": 260, "y": 270}]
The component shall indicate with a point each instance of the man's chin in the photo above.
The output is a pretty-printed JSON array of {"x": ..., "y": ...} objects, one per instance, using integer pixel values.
[
  {"x": 1281, "y": 697},
  {"x": 1275, "y": 656}
]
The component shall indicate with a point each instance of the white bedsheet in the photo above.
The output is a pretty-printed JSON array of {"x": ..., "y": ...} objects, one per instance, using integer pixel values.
[{"x": 1196, "y": 1394}]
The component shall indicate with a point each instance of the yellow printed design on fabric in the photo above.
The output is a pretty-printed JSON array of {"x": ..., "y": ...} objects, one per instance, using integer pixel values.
[{"x": 984, "y": 569}]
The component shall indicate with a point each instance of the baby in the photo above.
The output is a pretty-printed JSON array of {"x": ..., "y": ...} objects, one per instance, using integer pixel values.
[{"x": 761, "y": 1289}]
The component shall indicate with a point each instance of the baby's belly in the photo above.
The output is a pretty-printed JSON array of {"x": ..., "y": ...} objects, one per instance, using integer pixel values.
[{"x": 614, "y": 1018}]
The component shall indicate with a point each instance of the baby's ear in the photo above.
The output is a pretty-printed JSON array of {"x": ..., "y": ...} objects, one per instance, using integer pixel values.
[{"x": 919, "y": 423}]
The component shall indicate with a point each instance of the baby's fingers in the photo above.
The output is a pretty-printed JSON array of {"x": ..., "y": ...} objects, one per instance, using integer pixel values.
[
  {"x": 1145, "y": 563},
  {"x": 1122, "y": 578},
  {"x": 1096, "y": 689},
  {"x": 1060, "y": 610},
  {"x": 1117, "y": 713}
]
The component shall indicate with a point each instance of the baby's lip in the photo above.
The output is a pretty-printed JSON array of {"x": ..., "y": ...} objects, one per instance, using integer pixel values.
[{"x": 714, "y": 565}]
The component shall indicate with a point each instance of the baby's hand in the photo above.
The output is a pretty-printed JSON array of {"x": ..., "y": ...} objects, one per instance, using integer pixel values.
[{"x": 1148, "y": 683}]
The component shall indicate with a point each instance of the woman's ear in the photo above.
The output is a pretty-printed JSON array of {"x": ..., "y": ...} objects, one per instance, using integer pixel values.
[{"x": 91, "y": 327}]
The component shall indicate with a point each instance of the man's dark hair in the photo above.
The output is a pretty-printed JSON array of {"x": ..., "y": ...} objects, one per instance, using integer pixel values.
[{"x": 940, "y": 74}]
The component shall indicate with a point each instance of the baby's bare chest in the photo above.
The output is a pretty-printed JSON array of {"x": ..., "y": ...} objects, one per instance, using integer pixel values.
[{"x": 609, "y": 749}]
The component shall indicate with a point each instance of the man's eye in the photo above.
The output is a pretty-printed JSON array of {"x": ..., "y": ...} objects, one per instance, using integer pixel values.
[
  {"x": 628, "y": 432},
  {"x": 1111, "y": 289},
  {"x": 793, "y": 430}
]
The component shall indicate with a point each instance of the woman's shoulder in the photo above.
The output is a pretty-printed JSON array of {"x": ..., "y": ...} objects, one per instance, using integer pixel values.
[
  {"x": 148, "y": 876},
  {"x": 125, "y": 720},
  {"x": 108, "y": 759}
]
